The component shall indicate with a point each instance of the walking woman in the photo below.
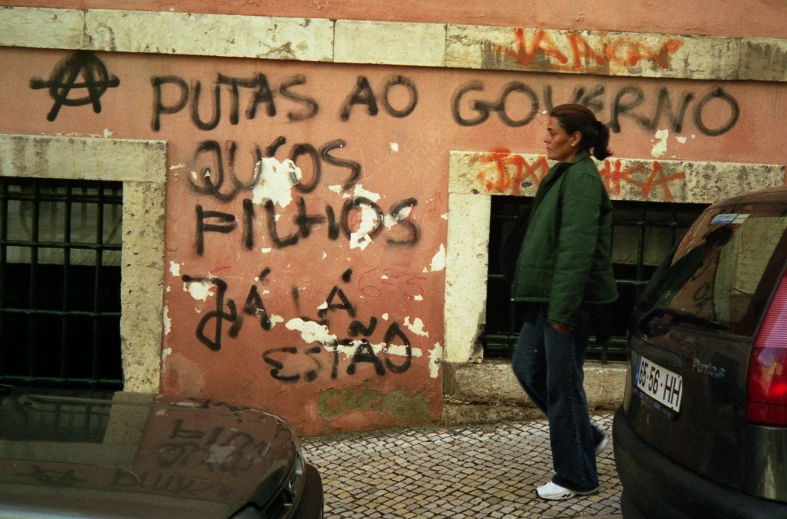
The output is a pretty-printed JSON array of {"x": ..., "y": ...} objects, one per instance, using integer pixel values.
[{"x": 564, "y": 268}]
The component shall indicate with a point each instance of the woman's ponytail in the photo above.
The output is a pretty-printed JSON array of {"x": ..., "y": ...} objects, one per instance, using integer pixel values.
[
  {"x": 579, "y": 118},
  {"x": 601, "y": 145}
]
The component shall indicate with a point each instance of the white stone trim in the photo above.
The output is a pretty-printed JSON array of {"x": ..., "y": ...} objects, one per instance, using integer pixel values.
[
  {"x": 627, "y": 179},
  {"x": 141, "y": 166},
  {"x": 613, "y": 53},
  {"x": 209, "y": 35},
  {"x": 390, "y": 43},
  {"x": 42, "y": 28},
  {"x": 396, "y": 43},
  {"x": 467, "y": 260}
]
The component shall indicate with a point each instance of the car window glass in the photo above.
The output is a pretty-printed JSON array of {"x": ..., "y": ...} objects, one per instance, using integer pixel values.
[{"x": 718, "y": 271}]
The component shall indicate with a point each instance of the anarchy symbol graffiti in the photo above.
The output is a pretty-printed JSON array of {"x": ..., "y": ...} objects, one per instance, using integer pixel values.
[{"x": 66, "y": 77}]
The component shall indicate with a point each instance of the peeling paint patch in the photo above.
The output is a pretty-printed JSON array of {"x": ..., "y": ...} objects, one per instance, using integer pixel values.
[
  {"x": 333, "y": 403},
  {"x": 166, "y": 352},
  {"x": 220, "y": 453},
  {"x": 417, "y": 326},
  {"x": 199, "y": 290},
  {"x": 349, "y": 350},
  {"x": 265, "y": 250},
  {"x": 336, "y": 189},
  {"x": 174, "y": 268},
  {"x": 399, "y": 351},
  {"x": 385, "y": 316},
  {"x": 324, "y": 255},
  {"x": 276, "y": 319},
  {"x": 419, "y": 297},
  {"x": 681, "y": 139},
  {"x": 311, "y": 331},
  {"x": 184, "y": 404},
  {"x": 360, "y": 239},
  {"x": 360, "y": 192},
  {"x": 276, "y": 181},
  {"x": 660, "y": 148},
  {"x": 435, "y": 359},
  {"x": 394, "y": 146},
  {"x": 444, "y": 216},
  {"x": 161, "y": 412},
  {"x": 108, "y": 133},
  {"x": 438, "y": 261},
  {"x": 177, "y": 166},
  {"x": 390, "y": 220},
  {"x": 166, "y": 320}
]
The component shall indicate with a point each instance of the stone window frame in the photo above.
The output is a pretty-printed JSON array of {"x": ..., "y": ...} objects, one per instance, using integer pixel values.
[
  {"x": 142, "y": 166},
  {"x": 469, "y": 220}
]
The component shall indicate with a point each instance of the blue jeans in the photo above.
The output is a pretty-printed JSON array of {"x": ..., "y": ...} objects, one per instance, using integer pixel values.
[{"x": 548, "y": 365}]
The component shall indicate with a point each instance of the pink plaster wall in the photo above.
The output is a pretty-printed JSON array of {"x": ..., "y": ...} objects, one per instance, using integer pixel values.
[
  {"x": 399, "y": 158},
  {"x": 733, "y": 18}
]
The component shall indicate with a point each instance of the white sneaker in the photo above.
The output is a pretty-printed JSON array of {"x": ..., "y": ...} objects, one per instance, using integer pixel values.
[
  {"x": 556, "y": 492},
  {"x": 600, "y": 446}
]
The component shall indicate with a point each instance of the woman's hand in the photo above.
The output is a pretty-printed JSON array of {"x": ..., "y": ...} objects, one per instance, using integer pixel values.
[{"x": 562, "y": 328}]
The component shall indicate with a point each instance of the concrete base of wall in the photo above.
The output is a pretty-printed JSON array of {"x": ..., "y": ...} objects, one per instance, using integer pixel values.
[{"x": 488, "y": 392}]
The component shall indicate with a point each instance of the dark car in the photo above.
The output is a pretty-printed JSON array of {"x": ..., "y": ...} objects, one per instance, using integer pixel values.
[
  {"x": 702, "y": 431},
  {"x": 113, "y": 455}
]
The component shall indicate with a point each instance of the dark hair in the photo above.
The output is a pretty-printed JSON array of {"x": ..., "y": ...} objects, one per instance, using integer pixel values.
[{"x": 579, "y": 118}]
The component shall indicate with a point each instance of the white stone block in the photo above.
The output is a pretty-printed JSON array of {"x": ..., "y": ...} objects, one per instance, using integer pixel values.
[
  {"x": 210, "y": 35},
  {"x": 390, "y": 43},
  {"x": 592, "y": 52},
  {"x": 763, "y": 59},
  {"x": 41, "y": 28}
]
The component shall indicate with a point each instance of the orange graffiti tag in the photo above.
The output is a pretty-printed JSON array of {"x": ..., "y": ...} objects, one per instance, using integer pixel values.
[
  {"x": 581, "y": 49},
  {"x": 541, "y": 45},
  {"x": 657, "y": 178},
  {"x": 524, "y": 172},
  {"x": 629, "y": 52},
  {"x": 617, "y": 50},
  {"x": 614, "y": 175}
]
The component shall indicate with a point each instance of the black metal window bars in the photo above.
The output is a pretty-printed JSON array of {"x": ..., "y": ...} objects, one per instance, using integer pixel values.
[
  {"x": 60, "y": 243},
  {"x": 644, "y": 232}
]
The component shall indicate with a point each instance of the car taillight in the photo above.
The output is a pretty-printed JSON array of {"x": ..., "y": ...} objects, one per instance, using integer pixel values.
[{"x": 767, "y": 400}]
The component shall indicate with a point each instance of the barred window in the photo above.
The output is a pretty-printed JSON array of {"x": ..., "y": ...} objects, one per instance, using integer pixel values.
[
  {"x": 60, "y": 261},
  {"x": 643, "y": 235}
]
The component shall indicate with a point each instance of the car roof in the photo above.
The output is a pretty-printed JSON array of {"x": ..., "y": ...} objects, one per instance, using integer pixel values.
[{"x": 776, "y": 195}]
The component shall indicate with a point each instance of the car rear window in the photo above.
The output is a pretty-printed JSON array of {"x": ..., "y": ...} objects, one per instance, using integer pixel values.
[{"x": 724, "y": 269}]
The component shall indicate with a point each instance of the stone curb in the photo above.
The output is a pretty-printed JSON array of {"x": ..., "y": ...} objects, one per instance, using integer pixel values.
[{"x": 489, "y": 392}]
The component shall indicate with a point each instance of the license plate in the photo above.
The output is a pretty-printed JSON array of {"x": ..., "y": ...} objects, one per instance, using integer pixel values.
[{"x": 659, "y": 383}]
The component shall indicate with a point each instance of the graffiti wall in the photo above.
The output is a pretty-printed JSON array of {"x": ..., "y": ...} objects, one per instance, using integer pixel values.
[{"x": 307, "y": 203}]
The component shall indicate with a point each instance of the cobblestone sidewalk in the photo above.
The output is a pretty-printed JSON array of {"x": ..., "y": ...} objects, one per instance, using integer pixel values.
[{"x": 452, "y": 472}]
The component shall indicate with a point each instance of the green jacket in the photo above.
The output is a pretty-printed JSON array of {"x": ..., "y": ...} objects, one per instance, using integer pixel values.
[{"x": 565, "y": 260}]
